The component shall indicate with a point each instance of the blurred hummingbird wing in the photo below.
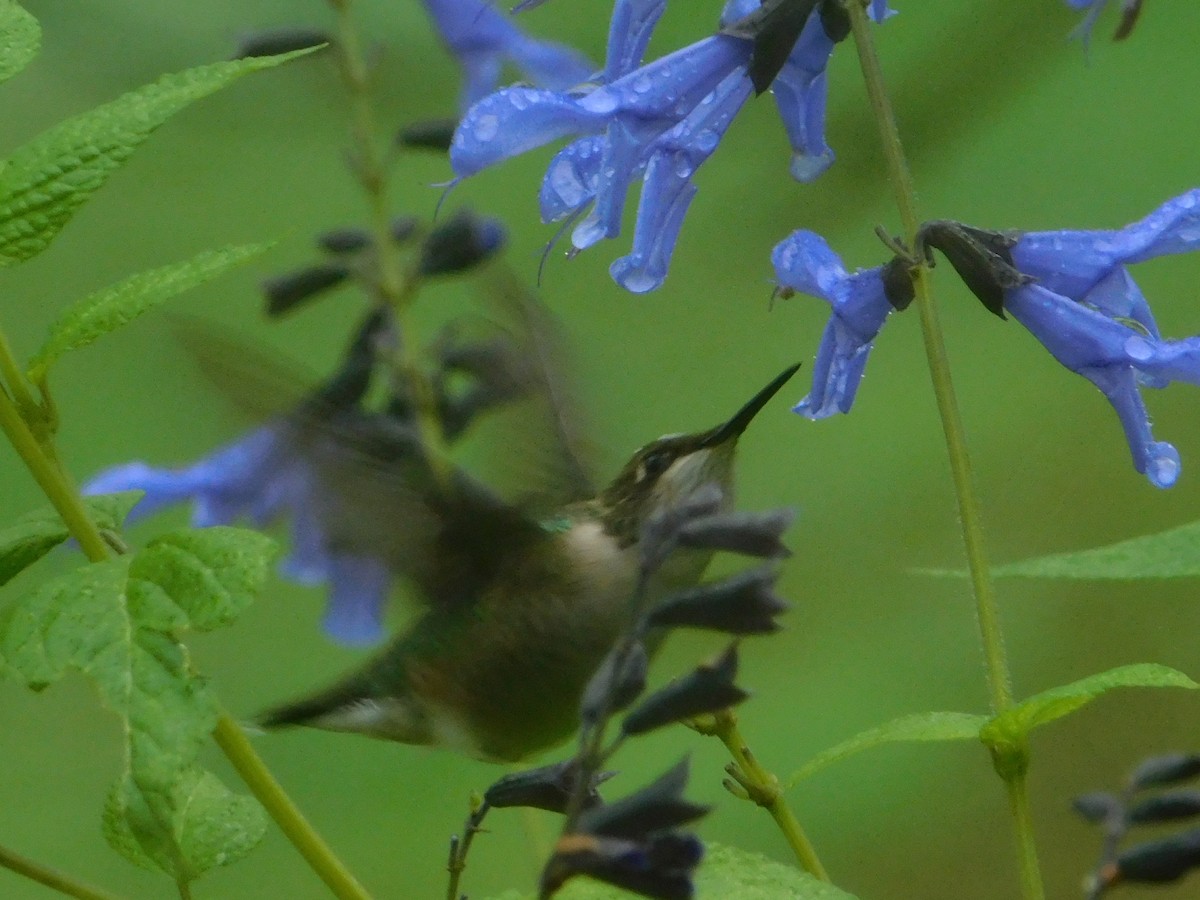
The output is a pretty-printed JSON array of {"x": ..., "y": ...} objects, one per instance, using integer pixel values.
[
  {"x": 546, "y": 449},
  {"x": 375, "y": 492}
]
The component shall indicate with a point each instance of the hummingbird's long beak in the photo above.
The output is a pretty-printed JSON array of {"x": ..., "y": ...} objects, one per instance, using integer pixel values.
[{"x": 733, "y": 429}]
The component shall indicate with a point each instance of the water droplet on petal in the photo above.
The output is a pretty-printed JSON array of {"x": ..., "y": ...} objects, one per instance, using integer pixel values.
[
  {"x": 683, "y": 166},
  {"x": 642, "y": 84},
  {"x": 707, "y": 140},
  {"x": 1138, "y": 349},
  {"x": 486, "y": 128},
  {"x": 1163, "y": 466}
]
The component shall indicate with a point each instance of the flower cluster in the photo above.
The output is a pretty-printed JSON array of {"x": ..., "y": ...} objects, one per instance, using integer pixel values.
[
  {"x": 482, "y": 38},
  {"x": 1071, "y": 289},
  {"x": 660, "y": 121}
]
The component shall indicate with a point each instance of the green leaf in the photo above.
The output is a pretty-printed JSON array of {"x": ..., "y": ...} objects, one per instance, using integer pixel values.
[
  {"x": 20, "y": 38},
  {"x": 1013, "y": 724},
  {"x": 33, "y": 536},
  {"x": 109, "y": 309},
  {"x": 930, "y": 726},
  {"x": 48, "y": 179},
  {"x": 119, "y": 622},
  {"x": 726, "y": 873},
  {"x": 1168, "y": 554}
]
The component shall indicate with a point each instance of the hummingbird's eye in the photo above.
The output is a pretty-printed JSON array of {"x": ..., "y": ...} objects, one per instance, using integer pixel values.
[{"x": 654, "y": 464}]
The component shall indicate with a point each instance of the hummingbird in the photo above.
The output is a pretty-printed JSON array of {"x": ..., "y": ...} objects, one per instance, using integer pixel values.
[{"x": 517, "y": 609}]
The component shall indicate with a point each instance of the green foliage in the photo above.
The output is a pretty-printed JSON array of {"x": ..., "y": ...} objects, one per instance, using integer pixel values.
[
  {"x": 119, "y": 622},
  {"x": 1015, "y": 723},
  {"x": 20, "y": 38},
  {"x": 725, "y": 873},
  {"x": 110, "y": 308},
  {"x": 1169, "y": 554},
  {"x": 929, "y": 726},
  {"x": 48, "y": 179},
  {"x": 33, "y": 536}
]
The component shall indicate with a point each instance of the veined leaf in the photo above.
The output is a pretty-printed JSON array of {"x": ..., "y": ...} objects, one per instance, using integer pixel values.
[
  {"x": 33, "y": 536},
  {"x": 109, "y": 309},
  {"x": 48, "y": 179},
  {"x": 1168, "y": 554},
  {"x": 20, "y": 38},
  {"x": 1013, "y": 724},
  {"x": 930, "y": 726},
  {"x": 726, "y": 872},
  {"x": 118, "y": 622}
]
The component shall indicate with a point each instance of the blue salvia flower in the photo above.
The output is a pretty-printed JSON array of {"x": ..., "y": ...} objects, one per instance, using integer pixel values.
[
  {"x": 482, "y": 38},
  {"x": 1085, "y": 308},
  {"x": 261, "y": 478},
  {"x": 804, "y": 262},
  {"x": 660, "y": 121}
]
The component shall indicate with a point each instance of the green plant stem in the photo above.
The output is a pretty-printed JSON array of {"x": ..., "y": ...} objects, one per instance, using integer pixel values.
[
  {"x": 236, "y": 747},
  {"x": 763, "y": 788},
  {"x": 51, "y": 878},
  {"x": 397, "y": 289},
  {"x": 66, "y": 500},
  {"x": 999, "y": 680}
]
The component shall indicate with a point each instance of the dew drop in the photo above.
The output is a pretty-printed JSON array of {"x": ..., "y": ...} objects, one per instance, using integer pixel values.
[
  {"x": 1163, "y": 467},
  {"x": 1138, "y": 349},
  {"x": 707, "y": 140},
  {"x": 486, "y": 128}
]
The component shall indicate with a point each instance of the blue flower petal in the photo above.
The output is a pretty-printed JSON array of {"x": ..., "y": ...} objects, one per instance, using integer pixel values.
[
  {"x": 804, "y": 261},
  {"x": 571, "y": 178},
  {"x": 358, "y": 592},
  {"x": 800, "y": 90},
  {"x": 629, "y": 32},
  {"x": 161, "y": 487},
  {"x": 550, "y": 65},
  {"x": 515, "y": 120}
]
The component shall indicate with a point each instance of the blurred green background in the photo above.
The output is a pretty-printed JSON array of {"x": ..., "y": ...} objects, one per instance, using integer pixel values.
[{"x": 1008, "y": 125}]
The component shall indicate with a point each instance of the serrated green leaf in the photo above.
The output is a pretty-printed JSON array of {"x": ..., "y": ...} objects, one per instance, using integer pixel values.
[
  {"x": 726, "y": 873},
  {"x": 117, "y": 305},
  {"x": 48, "y": 179},
  {"x": 1014, "y": 724},
  {"x": 930, "y": 726},
  {"x": 118, "y": 622},
  {"x": 1168, "y": 554},
  {"x": 20, "y": 38},
  {"x": 33, "y": 536}
]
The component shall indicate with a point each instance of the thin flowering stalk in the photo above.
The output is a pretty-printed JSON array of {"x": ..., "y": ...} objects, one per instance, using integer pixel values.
[
  {"x": 65, "y": 498},
  {"x": 396, "y": 288},
  {"x": 999, "y": 680},
  {"x": 51, "y": 878}
]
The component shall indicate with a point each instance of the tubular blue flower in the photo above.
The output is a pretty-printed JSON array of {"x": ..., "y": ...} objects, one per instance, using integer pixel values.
[
  {"x": 260, "y": 478},
  {"x": 482, "y": 37},
  {"x": 804, "y": 262},
  {"x": 660, "y": 121},
  {"x": 1086, "y": 309}
]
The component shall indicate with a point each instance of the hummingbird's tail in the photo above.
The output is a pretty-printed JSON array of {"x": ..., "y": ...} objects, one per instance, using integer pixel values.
[{"x": 355, "y": 705}]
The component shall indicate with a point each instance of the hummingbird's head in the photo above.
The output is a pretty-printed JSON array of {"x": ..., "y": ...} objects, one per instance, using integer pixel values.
[{"x": 667, "y": 470}]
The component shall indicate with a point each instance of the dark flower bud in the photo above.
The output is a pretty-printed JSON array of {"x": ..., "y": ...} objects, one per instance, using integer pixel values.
[
  {"x": 661, "y": 530},
  {"x": 1130, "y": 10},
  {"x": 273, "y": 41},
  {"x": 1168, "y": 807},
  {"x": 835, "y": 20},
  {"x": 630, "y": 865},
  {"x": 658, "y": 806},
  {"x": 1170, "y": 768},
  {"x": 461, "y": 243},
  {"x": 285, "y": 292},
  {"x": 432, "y": 134},
  {"x": 548, "y": 787},
  {"x": 1097, "y": 807},
  {"x": 982, "y": 259},
  {"x": 774, "y": 29},
  {"x": 741, "y": 604},
  {"x": 708, "y": 688},
  {"x": 1163, "y": 860},
  {"x": 493, "y": 372},
  {"x": 750, "y": 534},
  {"x": 343, "y": 240},
  {"x": 608, "y": 690},
  {"x": 897, "y": 283},
  {"x": 346, "y": 387}
]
